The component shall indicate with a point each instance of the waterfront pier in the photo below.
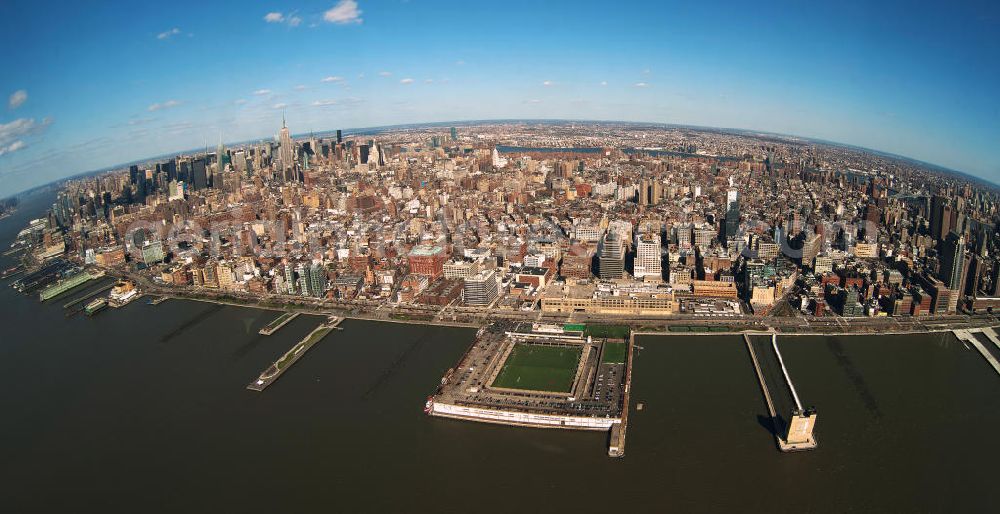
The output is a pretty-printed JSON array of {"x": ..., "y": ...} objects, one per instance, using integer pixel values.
[
  {"x": 89, "y": 294},
  {"x": 278, "y": 322},
  {"x": 791, "y": 423},
  {"x": 990, "y": 352},
  {"x": 69, "y": 284},
  {"x": 616, "y": 437},
  {"x": 293, "y": 354}
]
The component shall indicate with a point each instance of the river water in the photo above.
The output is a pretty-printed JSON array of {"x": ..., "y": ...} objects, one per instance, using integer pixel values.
[{"x": 144, "y": 409}]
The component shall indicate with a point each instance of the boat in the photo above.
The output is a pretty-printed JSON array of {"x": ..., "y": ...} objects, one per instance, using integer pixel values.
[
  {"x": 95, "y": 306},
  {"x": 429, "y": 405}
]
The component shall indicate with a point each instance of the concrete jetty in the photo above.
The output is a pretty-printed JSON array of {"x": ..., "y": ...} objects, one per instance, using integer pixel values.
[
  {"x": 293, "y": 355},
  {"x": 796, "y": 432},
  {"x": 990, "y": 354},
  {"x": 277, "y": 323},
  {"x": 616, "y": 437},
  {"x": 89, "y": 294}
]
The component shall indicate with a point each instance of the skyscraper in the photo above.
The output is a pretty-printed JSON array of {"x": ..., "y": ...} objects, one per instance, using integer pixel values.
[
  {"x": 289, "y": 278},
  {"x": 732, "y": 213},
  {"x": 286, "y": 152},
  {"x": 647, "y": 257},
  {"x": 611, "y": 263},
  {"x": 220, "y": 152},
  {"x": 953, "y": 260},
  {"x": 938, "y": 218},
  {"x": 454, "y": 134},
  {"x": 199, "y": 175},
  {"x": 317, "y": 280}
]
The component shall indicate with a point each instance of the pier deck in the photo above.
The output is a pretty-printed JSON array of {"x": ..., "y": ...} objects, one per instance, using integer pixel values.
[
  {"x": 293, "y": 355},
  {"x": 616, "y": 442},
  {"x": 990, "y": 354},
  {"x": 776, "y": 385},
  {"x": 89, "y": 294},
  {"x": 278, "y": 322}
]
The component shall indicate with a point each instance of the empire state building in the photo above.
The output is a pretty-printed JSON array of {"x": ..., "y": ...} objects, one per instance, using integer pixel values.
[{"x": 286, "y": 153}]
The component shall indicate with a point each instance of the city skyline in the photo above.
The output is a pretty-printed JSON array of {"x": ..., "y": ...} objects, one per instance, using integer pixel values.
[{"x": 99, "y": 86}]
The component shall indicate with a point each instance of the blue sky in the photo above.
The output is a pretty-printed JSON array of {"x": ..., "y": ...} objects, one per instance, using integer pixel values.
[{"x": 87, "y": 85}]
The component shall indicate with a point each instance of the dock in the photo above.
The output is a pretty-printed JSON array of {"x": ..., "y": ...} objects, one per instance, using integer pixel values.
[
  {"x": 792, "y": 424},
  {"x": 278, "y": 322},
  {"x": 989, "y": 352},
  {"x": 68, "y": 284},
  {"x": 12, "y": 272},
  {"x": 293, "y": 355},
  {"x": 616, "y": 437},
  {"x": 88, "y": 295}
]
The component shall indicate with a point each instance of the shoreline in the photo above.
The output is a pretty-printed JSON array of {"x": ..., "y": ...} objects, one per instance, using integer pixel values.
[{"x": 842, "y": 326}]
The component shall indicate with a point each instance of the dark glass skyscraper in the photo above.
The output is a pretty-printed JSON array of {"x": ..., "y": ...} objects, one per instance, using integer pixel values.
[
  {"x": 199, "y": 175},
  {"x": 953, "y": 260}
]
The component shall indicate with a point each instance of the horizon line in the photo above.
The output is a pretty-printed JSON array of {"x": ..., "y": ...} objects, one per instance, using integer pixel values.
[{"x": 360, "y": 130}]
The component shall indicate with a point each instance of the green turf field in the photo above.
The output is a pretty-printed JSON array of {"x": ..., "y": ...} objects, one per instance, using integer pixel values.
[
  {"x": 539, "y": 368},
  {"x": 614, "y": 353},
  {"x": 608, "y": 331}
]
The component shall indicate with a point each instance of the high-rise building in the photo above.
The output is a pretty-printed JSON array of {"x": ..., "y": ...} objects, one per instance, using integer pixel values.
[
  {"x": 220, "y": 156},
  {"x": 199, "y": 174},
  {"x": 611, "y": 263},
  {"x": 286, "y": 152},
  {"x": 316, "y": 275},
  {"x": 454, "y": 134},
  {"x": 340, "y": 137},
  {"x": 732, "y": 214},
  {"x": 938, "y": 203},
  {"x": 481, "y": 289},
  {"x": 647, "y": 257},
  {"x": 810, "y": 249},
  {"x": 289, "y": 278},
  {"x": 953, "y": 261},
  {"x": 996, "y": 279}
]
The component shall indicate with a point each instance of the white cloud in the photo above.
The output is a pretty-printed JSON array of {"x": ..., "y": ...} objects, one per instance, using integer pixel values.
[
  {"x": 332, "y": 78},
  {"x": 406, "y": 81},
  {"x": 324, "y": 103},
  {"x": 385, "y": 73},
  {"x": 262, "y": 92},
  {"x": 165, "y": 35},
  {"x": 534, "y": 101},
  {"x": 140, "y": 121},
  {"x": 428, "y": 81},
  {"x": 548, "y": 83},
  {"x": 17, "y": 98},
  {"x": 292, "y": 19},
  {"x": 12, "y": 133},
  {"x": 459, "y": 63},
  {"x": 163, "y": 105},
  {"x": 13, "y": 147},
  {"x": 240, "y": 101},
  {"x": 345, "y": 12},
  {"x": 279, "y": 106},
  {"x": 300, "y": 87},
  {"x": 641, "y": 84},
  {"x": 604, "y": 82}
]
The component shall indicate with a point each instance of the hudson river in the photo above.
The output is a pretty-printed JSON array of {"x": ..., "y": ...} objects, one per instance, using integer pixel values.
[{"x": 144, "y": 409}]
